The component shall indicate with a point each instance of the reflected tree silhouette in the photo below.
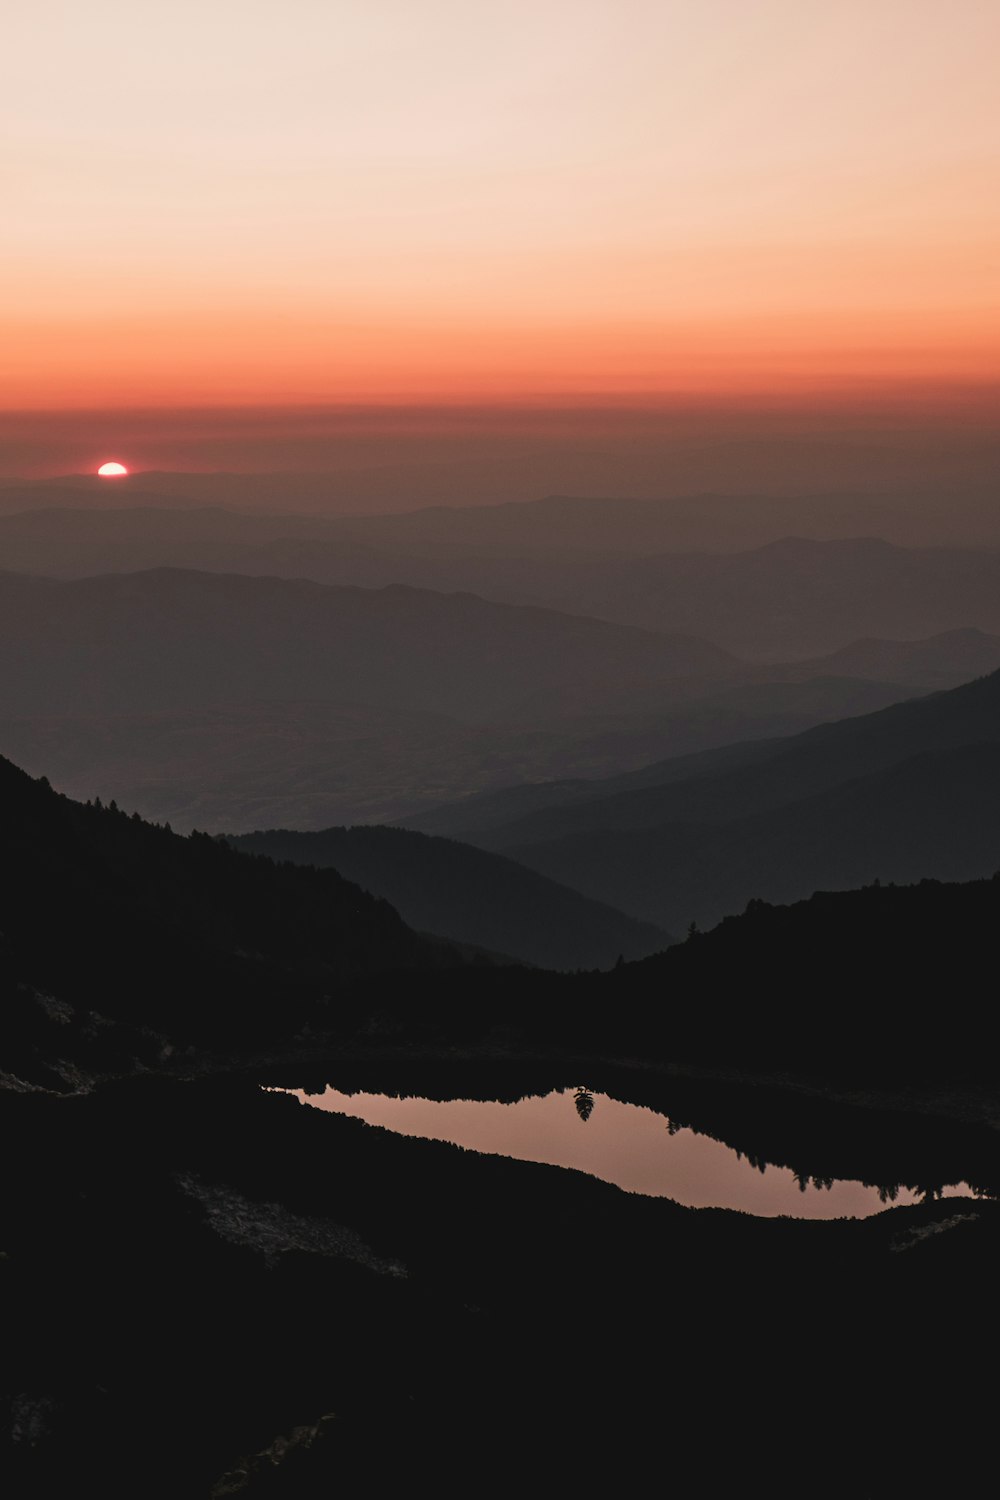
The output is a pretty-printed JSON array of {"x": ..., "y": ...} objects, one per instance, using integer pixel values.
[
  {"x": 804, "y": 1181},
  {"x": 584, "y": 1101}
]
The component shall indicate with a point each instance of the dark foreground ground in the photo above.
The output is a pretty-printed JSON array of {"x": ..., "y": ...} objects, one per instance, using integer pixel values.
[{"x": 210, "y": 1289}]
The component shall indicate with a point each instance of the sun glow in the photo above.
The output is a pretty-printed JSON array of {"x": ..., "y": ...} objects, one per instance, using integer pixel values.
[{"x": 112, "y": 471}]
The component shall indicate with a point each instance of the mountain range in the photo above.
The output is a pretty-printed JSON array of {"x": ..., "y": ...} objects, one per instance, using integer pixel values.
[
  {"x": 171, "y": 948},
  {"x": 166, "y": 942},
  {"x": 681, "y": 508},
  {"x": 232, "y": 702},
  {"x": 795, "y": 596},
  {"x": 907, "y": 792},
  {"x": 170, "y": 638},
  {"x": 468, "y": 895}
]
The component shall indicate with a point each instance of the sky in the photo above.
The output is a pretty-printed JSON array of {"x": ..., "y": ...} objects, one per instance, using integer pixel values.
[{"x": 308, "y": 201}]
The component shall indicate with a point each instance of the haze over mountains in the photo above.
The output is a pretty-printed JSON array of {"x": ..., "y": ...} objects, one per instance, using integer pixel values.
[
  {"x": 85, "y": 644},
  {"x": 920, "y": 466},
  {"x": 235, "y": 669},
  {"x": 779, "y": 597},
  {"x": 907, "y": 792},
  {"x": 227, "y": 701},
  {"x": 623, "y": 728},
  {"x": 796, "y": 598}
]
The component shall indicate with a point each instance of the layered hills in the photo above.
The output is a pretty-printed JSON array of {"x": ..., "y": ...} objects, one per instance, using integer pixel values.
[
  {"x": 733, "y": 779},
  {"x": 172, "y": 948},
  {"x": 175, "y": 1216},
  {"x": 469, "y": 895},
  {"x": 171, "y": 1220},
  {"x": 230, "y": 701},
  {"x": 783, "y": 597},
  {"x": 907, "y": 792},
  {"x": 122, "y": 940},
  {"x": 693, "y": 516},
  {"x": 166, "y": 638}
]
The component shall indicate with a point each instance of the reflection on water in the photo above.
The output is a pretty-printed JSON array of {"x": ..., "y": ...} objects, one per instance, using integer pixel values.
[
  {"x": 626, "y": 1144},
  {"x": 584, "y": 1101}
]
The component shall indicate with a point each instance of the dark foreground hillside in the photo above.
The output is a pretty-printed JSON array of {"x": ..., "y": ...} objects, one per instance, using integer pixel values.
[
  {"x": 120, "y": 933},
  {"x": 210, "y": 1289}
]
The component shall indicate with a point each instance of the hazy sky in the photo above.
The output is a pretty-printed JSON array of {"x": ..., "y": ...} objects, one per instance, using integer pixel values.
[{"x": 247, "y": 200}]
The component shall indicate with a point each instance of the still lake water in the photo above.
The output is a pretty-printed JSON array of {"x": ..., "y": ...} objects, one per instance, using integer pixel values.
[{"x": 626, "y": 1144}]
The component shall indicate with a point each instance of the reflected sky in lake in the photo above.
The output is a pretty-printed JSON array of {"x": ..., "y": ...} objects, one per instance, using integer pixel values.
[{"x": 626, "y": 1144}]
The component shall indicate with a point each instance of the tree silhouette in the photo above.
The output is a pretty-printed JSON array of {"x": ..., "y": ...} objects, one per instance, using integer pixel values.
[{"x": 584, "y": 1101}]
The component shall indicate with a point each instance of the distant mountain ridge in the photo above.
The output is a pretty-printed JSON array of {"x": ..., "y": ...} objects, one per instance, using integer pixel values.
[
  {"x": 226, "y": 701},
  {"x": 793, "y": 597},
  {"x": 696, "y": 514},
  {"x": 172, "y": 637}
]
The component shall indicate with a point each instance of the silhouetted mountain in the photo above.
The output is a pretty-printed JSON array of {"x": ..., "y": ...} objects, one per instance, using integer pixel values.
[
  {"x": 111, "y": 920},
  {"x": 882, "y": 985},
  {"x": 936, "y": 815},
  {"x": 510, "y": 812},
  {"x": 466, "y": 894},
  {"x": 305, "y": 763},
  {"x": 739, "y": 780},
  {"x": 163, "y": 1238}
]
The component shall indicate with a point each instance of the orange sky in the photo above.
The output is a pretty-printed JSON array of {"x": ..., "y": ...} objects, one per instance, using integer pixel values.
[{"x": 335, "y": 200}]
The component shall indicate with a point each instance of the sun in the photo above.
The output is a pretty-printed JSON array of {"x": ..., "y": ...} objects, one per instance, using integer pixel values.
[{"x": 112, "y": 470}]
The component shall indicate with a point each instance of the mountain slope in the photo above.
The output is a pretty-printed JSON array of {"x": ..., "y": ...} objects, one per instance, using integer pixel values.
[
  {"x": 875, "y": 984},
  {"x": 468, "y": 895},
  {"x": 740, "y": 780},
  {"x": 935, "y": 815},
  {"x": 112, "y": 921}
]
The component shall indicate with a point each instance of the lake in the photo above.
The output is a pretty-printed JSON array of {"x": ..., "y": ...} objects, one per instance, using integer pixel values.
[{"x": 626, "y": 1144}]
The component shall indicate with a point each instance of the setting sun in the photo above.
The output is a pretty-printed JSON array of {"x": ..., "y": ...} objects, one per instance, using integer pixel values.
[{"x": 112, "y": 471}]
